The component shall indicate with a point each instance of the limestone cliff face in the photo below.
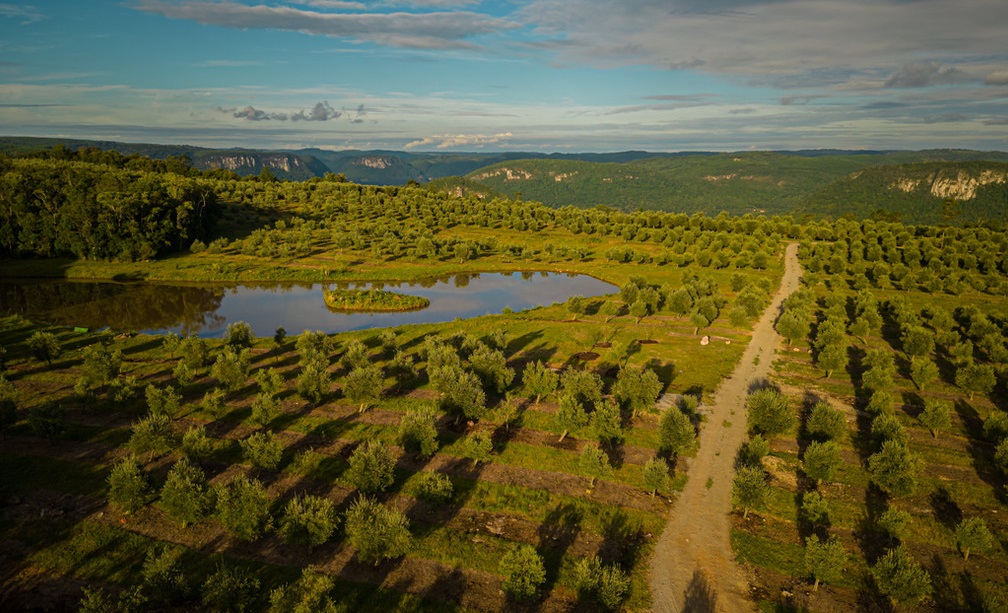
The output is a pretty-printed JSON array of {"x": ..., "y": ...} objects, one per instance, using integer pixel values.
[
  {"x": 958, "y": 184},
  {"x": 509, "y": 174},
  {"x": 251, "y": 161},
  {"x": 378, "y": 162}
]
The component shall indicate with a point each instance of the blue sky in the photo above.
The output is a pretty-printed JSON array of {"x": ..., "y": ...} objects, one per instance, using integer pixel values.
[{"x": 543, "y": 75}]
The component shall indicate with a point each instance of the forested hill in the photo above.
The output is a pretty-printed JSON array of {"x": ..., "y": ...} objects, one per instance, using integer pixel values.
[
  {"x": 901, "y": 185},
  {"x": 910, "y": 186}
]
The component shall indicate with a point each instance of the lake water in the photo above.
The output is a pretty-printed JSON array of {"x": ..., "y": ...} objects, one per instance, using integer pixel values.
[{"x": 206, "y": 310}]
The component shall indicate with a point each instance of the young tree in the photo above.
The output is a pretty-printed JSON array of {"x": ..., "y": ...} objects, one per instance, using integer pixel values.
[
  {"x": 894, "y": 522},
  {"x": 239, "y": 335},
  {"x": 832, "y": 357},
  {"x": 434, "y": 487},
  {"x": 478, "y": 446},
  {"x": 102, "y": 364},
  {"x": 355, "y": 356},
  {"x": 539, "y": 380},
  {"x": 47, "y": 421},
  {"x": 262, "y": 450},
  {"x": 308, "y": 520},
  {"x": 265, "y": 408},
  {"x": 524, "y": 572},
  {"x": 232, "y": 367},
  {"x": 900, "y": 577},
  {"x": 184, "y": 496},
  {"x": 313, "y": 382},
  {"x": 923, "y": 371},
  {"x": 371, "y": 467},
  {"x": 606, "y": 422},
  {"x": 44, "y": 346},
  {"x": 163, "y": 401},
  {"x": 270, "y": 381},
  {"x": 972, "y": 535},
  {"x": 976, "y": 378},
  {"x": 310, "y": 593},
  {"x": 815, "y": 509},
  {"x": 917, "y": 342},
  {"x": 462, "y": 393},
  {"x": 936, "y": 416},
  {"x": 576, "y": 307},
  {"x": 894, "y": 468},
  {"x": 152, "y": 435},
  {"x": 196, "y": 445},
  {"x": 821, "y": 460},
  {"x": 491, "y": 367},
  {"x": 363, "y": 385},
  {"x": 769, "y": 413},
  {"x": 675, "y": 432},
  {"x": 243, "y": 507},
  {"x": 824, "y": 561},
  {"x": 753, "y": 451},
  {"x": 825, "y": 422},
  {"x": 418, "y": 431},
  {"x": 656, "y": 475},
  {"x": 229, "y": 589},
  {"x": 607, "y": 584},
  {"x": 793, "y": 324},
  {"x": 749, "y": 489},
  {"x": 129, "y": 488},
  {"x": 376, "y": 531},
  {"x": 594, "y": 463},
  {"x": 571, "y": 415},
  {"x": 886, "y": 427},
  {"x": 637, "y": 388}
]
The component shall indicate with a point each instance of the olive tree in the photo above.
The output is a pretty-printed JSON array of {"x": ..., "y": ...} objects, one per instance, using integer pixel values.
[
  {"x": 769, "y": 413},
  {"x": 524, "y": 572},
  {"x": 900, "y": 577},
  {"x": 371, "y": 467},
  {"x": 971, "y": 535},
  {"x": 376, "y": 531},
  {"x": 308, "y": 520},
  {"x": 824, "y": 560}
]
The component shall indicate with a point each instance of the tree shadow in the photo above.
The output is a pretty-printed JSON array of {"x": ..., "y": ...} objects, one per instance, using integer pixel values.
[
  {"x": 700, "y": 596},
  {"x": 622, "y": 540},
  {"x": 944, "y": 508},
  {"x": 981, "y": 451},
  {"x": 870, "y": 538},
  {"x": 557, "y": 532}
]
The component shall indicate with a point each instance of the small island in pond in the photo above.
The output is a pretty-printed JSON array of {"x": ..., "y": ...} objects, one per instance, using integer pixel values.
[{"x": 372, "y": 300}]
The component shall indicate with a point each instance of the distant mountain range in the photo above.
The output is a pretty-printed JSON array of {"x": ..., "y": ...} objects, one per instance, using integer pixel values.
[{"x": 907, "y": 185}]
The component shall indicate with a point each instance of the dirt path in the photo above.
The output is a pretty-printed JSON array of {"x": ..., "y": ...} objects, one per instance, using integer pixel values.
[{"x": 693, "y": 568}]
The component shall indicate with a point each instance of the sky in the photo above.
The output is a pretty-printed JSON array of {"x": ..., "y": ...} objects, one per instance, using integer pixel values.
[{"x": 521, "y": 75}]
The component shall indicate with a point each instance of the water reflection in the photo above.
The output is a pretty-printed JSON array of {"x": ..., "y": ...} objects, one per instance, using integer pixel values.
[{"x": 206, "y": 310}]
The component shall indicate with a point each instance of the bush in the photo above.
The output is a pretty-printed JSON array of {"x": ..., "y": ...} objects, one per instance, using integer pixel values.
[
  {"x": 308, "y": 520},
  {"x": 418, "y": 431},
  {"x": 243, "y": 507},
  {"x": 184, "y": 496},
  {"x": 825, "y": 422},
  {"x": 371, "y": 466},
  {"x": 377, "y": 532},
  {"x": 524, "y": 572},
  {"x": 128, "y": 485},
  {"x": 434, "y": 487},
  {"x": 769, "y": 413},
  {"x": 262, "y": 450}
]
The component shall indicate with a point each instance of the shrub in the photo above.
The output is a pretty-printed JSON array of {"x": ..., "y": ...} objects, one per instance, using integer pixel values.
[{"x": 524, "y": 572}]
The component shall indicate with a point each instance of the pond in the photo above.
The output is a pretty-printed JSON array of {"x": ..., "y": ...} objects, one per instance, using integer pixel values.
[{"x": 206, "y": 310}]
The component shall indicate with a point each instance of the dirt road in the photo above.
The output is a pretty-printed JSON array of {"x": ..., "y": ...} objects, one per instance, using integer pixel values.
[{"x": 693, "y": 568}]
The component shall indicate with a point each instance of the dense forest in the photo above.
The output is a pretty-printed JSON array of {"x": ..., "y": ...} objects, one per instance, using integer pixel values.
[
  {"x": 523, "y": 459},
  {"x": 100, "y": 205}
]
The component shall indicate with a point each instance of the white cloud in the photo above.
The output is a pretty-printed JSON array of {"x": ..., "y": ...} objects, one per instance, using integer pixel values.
[
  {"x": 436, "y": 30},
  {"x": 445, "y": 141},
  {"x": 831, "y": 41}
]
